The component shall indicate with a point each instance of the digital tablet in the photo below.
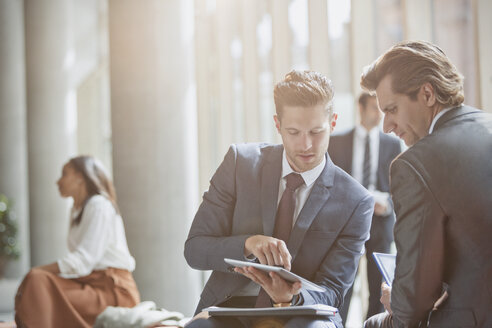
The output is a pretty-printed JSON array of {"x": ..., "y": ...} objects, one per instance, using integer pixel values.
[
  {"x": 386, "y": 265},
  {"x": 287, "y": 275},
  {"x": 313, "y": 310}
]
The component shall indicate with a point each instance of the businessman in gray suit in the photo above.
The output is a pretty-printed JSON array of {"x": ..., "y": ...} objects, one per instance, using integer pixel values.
[
  {"x": 319, "y": 236},
  {"x": 441, "y": 188},
  {"x": 365, "y": 152}
]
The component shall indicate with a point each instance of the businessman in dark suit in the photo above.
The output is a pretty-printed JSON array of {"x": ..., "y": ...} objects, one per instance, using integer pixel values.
[
  {"x": 365, "y": 153},
  {"x": 320, "y": 236},
  {"x": 441, "y": 189}
]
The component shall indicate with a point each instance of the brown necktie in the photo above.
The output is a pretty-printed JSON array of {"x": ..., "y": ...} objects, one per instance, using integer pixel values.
[{"x": 283, "y": 222}]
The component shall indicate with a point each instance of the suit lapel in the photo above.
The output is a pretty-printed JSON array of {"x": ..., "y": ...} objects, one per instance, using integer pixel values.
[
  {"x": 316, "y": 200},
  {"x": 350, "y": 151},
  {"x": 270, "y": 178},
  {"x": 345, "y": 151},
  {"x": 453, "y": 113}
]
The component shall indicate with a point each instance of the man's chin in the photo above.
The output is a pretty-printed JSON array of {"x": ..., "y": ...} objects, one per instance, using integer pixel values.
[
  {"x": 303, "y": 166},
  {"x": 409, "y": 142}
]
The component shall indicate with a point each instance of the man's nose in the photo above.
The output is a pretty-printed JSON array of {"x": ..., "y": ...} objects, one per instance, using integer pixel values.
[
  {"x": 306, "y": 142},
  {"x": 388, "y": 124}
]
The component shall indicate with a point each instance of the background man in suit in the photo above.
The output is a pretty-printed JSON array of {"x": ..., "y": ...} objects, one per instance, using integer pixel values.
[
  {"x": 239, "y": 219},
  {"x": 365, "y": 153},
  {"x": 441, "y": 189}
]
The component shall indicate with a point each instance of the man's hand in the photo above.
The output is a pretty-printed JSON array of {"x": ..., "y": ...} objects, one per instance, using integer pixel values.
[
  {"x": 386, "y": 297},
  {"x": 381, "y": 205},
  {"x": 380, "y": 208},
  {"x": 268, "y": 250},
  {"x": 279, "y": 290}
]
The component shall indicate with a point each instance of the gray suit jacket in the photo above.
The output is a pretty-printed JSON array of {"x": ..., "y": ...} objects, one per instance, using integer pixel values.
[
  {"x": 325, "y": 243},
  {"x": 442, "y": 193}
]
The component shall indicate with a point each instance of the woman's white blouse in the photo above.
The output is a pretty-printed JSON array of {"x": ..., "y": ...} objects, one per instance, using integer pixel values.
[{"x": 97, "y": 242}]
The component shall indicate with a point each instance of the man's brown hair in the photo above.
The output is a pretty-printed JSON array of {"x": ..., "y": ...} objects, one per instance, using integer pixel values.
[
  {"x": 413, "y": 63},
  {"x": 364, "y": 97},
  {"x": 303, "y": 88}
]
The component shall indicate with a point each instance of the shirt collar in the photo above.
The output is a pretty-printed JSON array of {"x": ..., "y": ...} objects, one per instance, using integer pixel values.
[
  {"x": 437, "y": 117},
  {"x": 308, "y": 176},
  {"x": 361, "y": 132}
]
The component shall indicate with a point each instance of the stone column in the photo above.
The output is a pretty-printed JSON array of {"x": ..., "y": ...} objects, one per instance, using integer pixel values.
[
  {"x": 51, "y": 117},
  {"x": 319, "y": 40},
  {"x": 417, "y": 19},
  {"x": 363, "y": 39},
  {"x": 155, "y": 142},
  {"x": 484, "y": 45},
  {"x": 13, "y": 143},
  {"x": 281, "y": 40}
]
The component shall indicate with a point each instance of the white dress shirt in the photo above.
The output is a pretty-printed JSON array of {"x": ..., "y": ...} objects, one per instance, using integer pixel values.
[
  {"x": 358, "y": 151},
  {"x": 97, "y": 242},
  {"x": 438, "y": 116},
  {"x": 302, "y": 193}
]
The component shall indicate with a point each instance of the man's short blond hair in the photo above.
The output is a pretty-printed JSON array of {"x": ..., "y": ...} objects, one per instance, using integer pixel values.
[
  {"x": 304, "y": 89},
  {"x": 413, "y": 63}
]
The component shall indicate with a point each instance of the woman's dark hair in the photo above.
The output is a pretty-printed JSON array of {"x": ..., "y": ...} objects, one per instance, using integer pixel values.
[{"x": 96, "y": 179}]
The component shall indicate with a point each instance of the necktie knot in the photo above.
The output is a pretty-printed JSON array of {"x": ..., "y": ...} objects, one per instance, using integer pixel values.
[{"x": 294, "y": 181}]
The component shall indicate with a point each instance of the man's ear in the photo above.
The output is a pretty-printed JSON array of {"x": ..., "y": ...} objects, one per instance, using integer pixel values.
[
  {"x": 277, "y": 122},
  {"x": 428, "y": 94},
  {"x": 333, "y": 122}
]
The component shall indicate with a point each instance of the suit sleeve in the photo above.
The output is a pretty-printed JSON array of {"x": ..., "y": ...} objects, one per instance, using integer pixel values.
[
  {"x": 337, "y": 271},
  {"x": 419, "y": 236},
  {"x": 210, "y": 240},
  {"x": 395, "y": 151}
]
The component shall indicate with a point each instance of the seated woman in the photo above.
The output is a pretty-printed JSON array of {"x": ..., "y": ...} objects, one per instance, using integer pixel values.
[{"x": 96, "y": 272}]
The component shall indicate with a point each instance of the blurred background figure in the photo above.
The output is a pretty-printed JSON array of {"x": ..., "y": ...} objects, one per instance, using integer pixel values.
[
  {"x": 365, "y": 152},
  {"x": 96, "y": 272}
]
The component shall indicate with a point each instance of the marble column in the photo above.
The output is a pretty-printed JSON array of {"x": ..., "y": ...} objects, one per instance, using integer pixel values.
[
  {"x": 13, "y": 139},
  {"x": 155, "y": 142},
  {"x": 51, "y": 118},
  {"x": 417, "y": 19},
  {"x": 484, "y": 45},
  {"x": 363, "y": 40},
  {"x": 319, "y": 39}
]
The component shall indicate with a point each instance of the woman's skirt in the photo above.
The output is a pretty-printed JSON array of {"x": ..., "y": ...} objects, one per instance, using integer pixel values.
[{"x": 45, "y": 299}]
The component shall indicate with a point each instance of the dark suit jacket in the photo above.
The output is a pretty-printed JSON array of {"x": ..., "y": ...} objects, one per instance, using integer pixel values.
[
  {"x": 442, "y": 191},
  {"x": 341, "y": 152},
  {"x": 326, "y": 241}
]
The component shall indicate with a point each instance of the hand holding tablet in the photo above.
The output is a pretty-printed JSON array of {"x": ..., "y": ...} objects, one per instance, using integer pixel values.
[{"x": 287, "y": 275}]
